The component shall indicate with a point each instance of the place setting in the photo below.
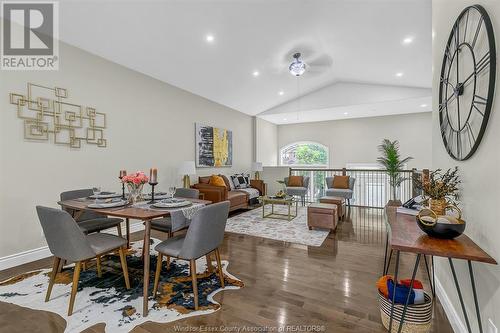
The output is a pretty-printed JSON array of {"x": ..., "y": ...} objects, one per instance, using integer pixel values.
[{"x": 104, "y": 199}]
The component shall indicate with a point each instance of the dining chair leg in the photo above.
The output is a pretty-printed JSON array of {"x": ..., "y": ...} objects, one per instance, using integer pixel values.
[
  {"x": 219, "y": 265},
  {"x": 123, "y": 261},
  {"x": 62, "y": 262},
  {"x": 168, "y": 262},
  {"x": 74, "y": 287},
  {"x": 84, "y": 265},
  {"x": 210, "y": 267},
  {"x": 157, "y": 273},
  {"x": 98, "y": 266},
  {"x": 119, "y": 229},
  {"x": 55, "y": 269},
  {"x": 195, "y": 283}
]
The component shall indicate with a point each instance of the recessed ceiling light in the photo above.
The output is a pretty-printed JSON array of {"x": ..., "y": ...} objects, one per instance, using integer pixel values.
[
  {"x": 407, "y": 40},
  {"x": 399, "y": 74},
  {"x": 284, "y": 119},
  {"x": 281, "y": 93},
  {"x": 210, "y": 38},
  {"x": 423, "y": 105},
  {"x": 256, "y": 73},
  {"x": 345, "y": 113}
]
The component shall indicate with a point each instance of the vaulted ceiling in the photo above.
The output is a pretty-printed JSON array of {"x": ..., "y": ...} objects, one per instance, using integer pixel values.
[{"x": 213, "y": 48}]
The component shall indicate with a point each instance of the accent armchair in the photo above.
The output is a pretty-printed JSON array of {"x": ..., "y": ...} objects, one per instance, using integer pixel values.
[
  {"x": 300, "y": 191},
  {"x": 340, "y": 192}
]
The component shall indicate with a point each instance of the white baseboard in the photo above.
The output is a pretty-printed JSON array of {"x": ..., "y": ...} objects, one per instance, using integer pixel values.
[
  {"x": 44, "y": 252},
  {"x": 451, "y": 312}
]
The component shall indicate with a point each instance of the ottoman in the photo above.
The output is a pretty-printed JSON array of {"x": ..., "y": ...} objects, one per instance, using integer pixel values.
[
  {"x": 322, "y": 215},
  {"x": 339, "y": 201}
]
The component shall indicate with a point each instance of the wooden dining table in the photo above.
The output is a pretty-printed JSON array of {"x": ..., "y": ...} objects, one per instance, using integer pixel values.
[{"x": 78, "y": 206}]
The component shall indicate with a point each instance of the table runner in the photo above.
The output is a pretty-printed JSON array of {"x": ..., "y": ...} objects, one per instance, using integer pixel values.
[{"x": 180, "y": 217}]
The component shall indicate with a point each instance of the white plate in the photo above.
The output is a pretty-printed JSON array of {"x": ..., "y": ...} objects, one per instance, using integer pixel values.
[
  {"x": 105, "y": 196},
  {"x": 172, "y": 204},
  {"x": 108, "y": 204}
]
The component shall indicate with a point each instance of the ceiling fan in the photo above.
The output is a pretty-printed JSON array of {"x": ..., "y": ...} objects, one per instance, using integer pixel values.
[{"x": 308, "y": 63}]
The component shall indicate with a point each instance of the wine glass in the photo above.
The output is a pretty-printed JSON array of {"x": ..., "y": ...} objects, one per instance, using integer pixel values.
[
  {"x": 97, "y": 191},
  {"x": 171, "y": 191}
]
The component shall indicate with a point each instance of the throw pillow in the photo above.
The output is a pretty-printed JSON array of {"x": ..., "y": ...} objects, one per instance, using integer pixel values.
[
  {"x": 217, "y": 181},
  {"x": 227, "y": 182},
  {"x": 240, "y": 180},
  {"x": 341, "y": 182},
  {"x": 204, "y": 180},
  {"x": 296, "y": 181}
]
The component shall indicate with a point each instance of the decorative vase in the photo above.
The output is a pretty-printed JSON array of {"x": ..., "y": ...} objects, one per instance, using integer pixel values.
[
  {"x": 134, "y": 192},
  {"x": 438, "y": 206}
]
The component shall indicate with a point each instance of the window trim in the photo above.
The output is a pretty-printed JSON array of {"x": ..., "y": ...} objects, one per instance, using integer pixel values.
[{"x": 305, "y": 165}]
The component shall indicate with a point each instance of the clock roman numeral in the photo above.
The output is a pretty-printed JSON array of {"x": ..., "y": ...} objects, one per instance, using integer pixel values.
[
  {"x": 471, "y": 136},
  {"x": 466, "y": 22},
  {"x": 478, "y": 28},
  {"x": 483, "y": 63}
]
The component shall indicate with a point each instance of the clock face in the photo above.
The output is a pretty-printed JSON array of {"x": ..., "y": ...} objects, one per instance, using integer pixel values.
[{"x": 467, "y": 82}]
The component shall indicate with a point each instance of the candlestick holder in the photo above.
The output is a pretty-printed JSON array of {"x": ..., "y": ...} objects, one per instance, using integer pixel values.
[
  {"x": 123, "y": 188},
  {"x": 152, "y": 193}
]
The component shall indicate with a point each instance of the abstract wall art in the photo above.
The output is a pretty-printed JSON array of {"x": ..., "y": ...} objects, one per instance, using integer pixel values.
[
  {"x": 48, "y": 114},
  {"x": 214, "y": 146}
]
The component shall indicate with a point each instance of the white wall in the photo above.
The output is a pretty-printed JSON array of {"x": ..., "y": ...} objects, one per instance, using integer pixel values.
[
  {"x": 356, "y": 140},
  {"x": 480, "y": 192},
  {"x": 266, "y": 142},
  {"x": 150, "y": 123}
]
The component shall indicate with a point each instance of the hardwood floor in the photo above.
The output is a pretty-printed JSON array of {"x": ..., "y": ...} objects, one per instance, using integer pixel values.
[{"x": 331, "y": 287}]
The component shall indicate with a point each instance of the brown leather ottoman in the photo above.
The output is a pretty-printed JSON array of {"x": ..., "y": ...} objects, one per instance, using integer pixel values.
[
  {"x": 339, "y": 201},
  {"x": 322, "y": 215}
]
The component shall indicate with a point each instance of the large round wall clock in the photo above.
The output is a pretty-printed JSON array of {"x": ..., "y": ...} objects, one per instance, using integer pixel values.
[{"x": 467, "y": 82}]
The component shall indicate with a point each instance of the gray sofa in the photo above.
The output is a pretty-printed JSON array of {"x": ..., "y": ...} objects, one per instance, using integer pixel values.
[
  {"x": 340, "y": 192},
  {"x": 298, "y": 191}
]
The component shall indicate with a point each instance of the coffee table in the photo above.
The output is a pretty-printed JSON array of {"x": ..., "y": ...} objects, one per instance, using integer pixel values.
[{"x": 286, "y": 201}]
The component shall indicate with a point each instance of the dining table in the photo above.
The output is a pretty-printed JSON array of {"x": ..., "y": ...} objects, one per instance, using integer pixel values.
[{"x": 140, "y": 212}]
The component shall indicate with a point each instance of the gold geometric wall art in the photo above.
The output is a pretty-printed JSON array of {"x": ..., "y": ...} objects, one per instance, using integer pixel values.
[{"x": 47, "y": 112}]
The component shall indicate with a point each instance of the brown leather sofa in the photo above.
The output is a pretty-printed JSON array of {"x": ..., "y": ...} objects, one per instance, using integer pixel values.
[{"x": 238, "y": 199}]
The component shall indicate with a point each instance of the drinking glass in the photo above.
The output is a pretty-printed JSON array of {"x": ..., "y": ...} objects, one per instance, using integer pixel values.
[
  {"x": 97, "y": 191},
  {"x": 171, "y": 191}
]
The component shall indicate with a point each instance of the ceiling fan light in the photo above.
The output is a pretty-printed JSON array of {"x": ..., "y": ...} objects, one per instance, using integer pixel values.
[{"x": 297, "y": 67}]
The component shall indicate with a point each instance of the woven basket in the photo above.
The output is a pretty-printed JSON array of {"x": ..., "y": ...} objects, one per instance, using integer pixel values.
[{"x": 417, "y": 318}]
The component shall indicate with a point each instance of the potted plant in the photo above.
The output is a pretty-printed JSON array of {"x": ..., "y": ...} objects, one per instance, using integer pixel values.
[
  {"x": 393, "y": 163},
  {"x": 441, "y": 189}
]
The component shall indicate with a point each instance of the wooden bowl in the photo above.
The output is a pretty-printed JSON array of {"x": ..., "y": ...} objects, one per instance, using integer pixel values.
[{"x": 441, "y": 226}]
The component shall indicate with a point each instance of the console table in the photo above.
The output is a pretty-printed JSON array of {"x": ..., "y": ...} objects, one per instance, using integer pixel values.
[{"x": 404, "y": 235}]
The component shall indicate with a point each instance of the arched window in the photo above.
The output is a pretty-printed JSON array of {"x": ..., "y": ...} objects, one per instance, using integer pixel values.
[{"x": 306, "y": 154}]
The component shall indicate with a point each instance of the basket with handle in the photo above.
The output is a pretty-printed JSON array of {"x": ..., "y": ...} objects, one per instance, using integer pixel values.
[{"x": 417, "y": 318}]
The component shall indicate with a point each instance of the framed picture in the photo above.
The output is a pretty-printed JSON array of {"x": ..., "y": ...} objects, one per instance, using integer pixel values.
[{"x": 214, "y": 146}]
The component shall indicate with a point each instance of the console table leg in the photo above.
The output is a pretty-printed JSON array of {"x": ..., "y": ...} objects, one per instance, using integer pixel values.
[
  {"x": 471, "y": 273},
  {"x": 431, "y": 282},
  {"x": 385, "y": 252},
  {"x": 388, "y": 263},
  {"x": 457, "y": 285},
  {"x": 409, "y": 293},
  {"x": 433, "y": 277},
  {"x": 394, "y": 291}
]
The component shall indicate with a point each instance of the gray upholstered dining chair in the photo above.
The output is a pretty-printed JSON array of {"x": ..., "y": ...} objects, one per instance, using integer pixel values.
[
  {"x": 340, "y": 192},
  {"x": 165, "y": 224},
  {"x": 204, "y": 236},
  {"x": 67, "y": 241},
  {"x": 298, "y": 191},
  {"x": 90, "y": 221}
]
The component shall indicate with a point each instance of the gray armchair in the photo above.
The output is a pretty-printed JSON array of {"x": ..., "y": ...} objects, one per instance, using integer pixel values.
[
  {"x": 90, "y": 221},
  {"x": 67, "y": 241},
  {"x": 204, "y": 235},
  {"x": 340, "y": 192},
  {"x": 298, "y": 191}
]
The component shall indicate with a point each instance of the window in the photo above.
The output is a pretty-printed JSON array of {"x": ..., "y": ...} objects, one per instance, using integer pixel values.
[{"x": 307, "y": 154}]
